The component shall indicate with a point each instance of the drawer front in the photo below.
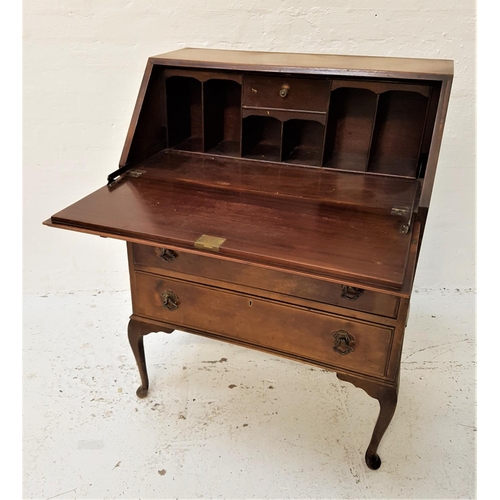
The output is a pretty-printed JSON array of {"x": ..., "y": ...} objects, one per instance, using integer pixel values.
[
  {"x": 315, "y": 336},
  {"x": 300, "y": 94},
  {"x": 159, "y": 261}
]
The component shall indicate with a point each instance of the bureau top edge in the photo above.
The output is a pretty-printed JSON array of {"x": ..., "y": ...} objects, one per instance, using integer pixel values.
[{"x": 314, "y": 64}]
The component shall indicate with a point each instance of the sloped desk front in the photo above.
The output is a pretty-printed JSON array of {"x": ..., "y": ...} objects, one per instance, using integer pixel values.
[
  {"x": 302, "y": 271},
  {"x": 277, "y": 202}
]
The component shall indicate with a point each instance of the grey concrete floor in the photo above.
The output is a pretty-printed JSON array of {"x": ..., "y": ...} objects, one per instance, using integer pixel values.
[{"x": 222, "y": 421}]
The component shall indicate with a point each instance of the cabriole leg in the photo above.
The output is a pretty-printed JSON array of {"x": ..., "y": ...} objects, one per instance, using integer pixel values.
[
  {"x": 136, "y": 331},
  {"x": 388, "y": 398}
]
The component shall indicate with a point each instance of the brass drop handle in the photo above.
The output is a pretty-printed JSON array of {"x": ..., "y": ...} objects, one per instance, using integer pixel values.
[
  {"x": 284, "y": 92},
  {"x": 166, "y": 254},
  {"x": 170, "y": 300},
  {"x": 344, "y": 342},
  {"x": 351, "y": 292}
]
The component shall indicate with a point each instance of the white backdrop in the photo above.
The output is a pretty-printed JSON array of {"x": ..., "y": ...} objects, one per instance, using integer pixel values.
[{"x": 83, "y": 63}]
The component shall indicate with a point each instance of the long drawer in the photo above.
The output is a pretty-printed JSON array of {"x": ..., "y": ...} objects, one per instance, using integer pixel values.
[
  {"x": 314, "y": 336},
  {"x": 161, "y": 261}
]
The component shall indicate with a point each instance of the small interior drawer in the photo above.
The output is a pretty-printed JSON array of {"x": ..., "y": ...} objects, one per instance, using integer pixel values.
[
  {"x": 302, "y": 94},
  {"x": 321, "y": 337},
  {"x": 164, "y": 261}
]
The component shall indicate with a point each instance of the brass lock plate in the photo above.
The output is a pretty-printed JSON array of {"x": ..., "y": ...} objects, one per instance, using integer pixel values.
[{"x": 207, "y": 242}]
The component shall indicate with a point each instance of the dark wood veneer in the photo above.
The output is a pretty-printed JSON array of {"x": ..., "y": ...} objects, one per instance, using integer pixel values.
[
  {"x": 278, "y": 202},
  {"x": 313, "y": 237},
  {"x": 192, "y": 266}
]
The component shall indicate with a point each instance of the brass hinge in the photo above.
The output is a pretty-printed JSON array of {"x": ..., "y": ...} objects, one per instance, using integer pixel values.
[
  {"x": 403, "y": 212},
  {"x": 135, "y": 173},
  {"x": 119, "y": 174},
  {"x": 400, "y": 211}
]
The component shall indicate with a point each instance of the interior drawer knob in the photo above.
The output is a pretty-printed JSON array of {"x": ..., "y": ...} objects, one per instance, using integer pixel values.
[
  {"x": 166, "y": 254},
  {"x": 351, "y": 292},
  {"x": 344, "y": 342},
  {"x": 284, "y": 92},
  {"x": 170, "y": 300}
]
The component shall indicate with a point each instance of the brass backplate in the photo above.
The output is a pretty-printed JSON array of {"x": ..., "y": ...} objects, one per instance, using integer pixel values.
[{"x": 208, "y": 242}]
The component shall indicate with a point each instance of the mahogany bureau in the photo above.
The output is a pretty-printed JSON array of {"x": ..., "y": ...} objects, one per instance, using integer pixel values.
[{"x": 278, "y": 201}]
